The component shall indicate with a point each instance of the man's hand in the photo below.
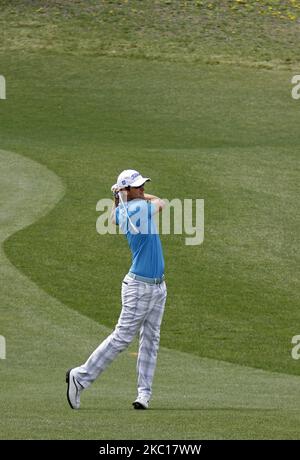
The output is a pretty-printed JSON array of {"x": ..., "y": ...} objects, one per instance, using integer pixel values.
[{"x": 115, "y": 190}]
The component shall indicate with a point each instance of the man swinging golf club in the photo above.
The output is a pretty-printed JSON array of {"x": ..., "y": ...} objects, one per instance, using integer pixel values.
[{"x": 143, "y": 292}]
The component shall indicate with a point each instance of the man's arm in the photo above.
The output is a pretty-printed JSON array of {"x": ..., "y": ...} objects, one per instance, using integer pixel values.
[
  {"x": 113, "y": 211},
  {"x": 159, "y": 204}
]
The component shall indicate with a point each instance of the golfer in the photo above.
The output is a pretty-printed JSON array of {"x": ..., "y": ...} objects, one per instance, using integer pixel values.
[{"x": 143, "y": 293}]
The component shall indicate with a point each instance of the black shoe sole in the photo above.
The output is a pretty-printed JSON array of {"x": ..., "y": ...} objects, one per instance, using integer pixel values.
[
  {"x": 68, "y": 382},
  {"x": 138, "y": 406}
]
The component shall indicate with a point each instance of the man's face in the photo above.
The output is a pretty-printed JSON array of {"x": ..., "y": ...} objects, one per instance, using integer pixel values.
[{"x": 135, "y": 192}]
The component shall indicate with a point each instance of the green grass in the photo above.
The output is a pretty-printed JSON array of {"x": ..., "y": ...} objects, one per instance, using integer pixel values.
[
  {"x": 250, "y": 32},
  {"x": 86, "y": 99},
  {"x": 195, "y": 398},
  {"x": 228, "y": 298}
]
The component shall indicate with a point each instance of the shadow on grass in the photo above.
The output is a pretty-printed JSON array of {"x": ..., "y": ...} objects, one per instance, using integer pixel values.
[{"x": 183, "y": 409}]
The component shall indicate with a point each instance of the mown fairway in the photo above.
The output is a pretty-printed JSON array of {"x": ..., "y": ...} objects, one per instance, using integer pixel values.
[{"x": 204, "y": 116}]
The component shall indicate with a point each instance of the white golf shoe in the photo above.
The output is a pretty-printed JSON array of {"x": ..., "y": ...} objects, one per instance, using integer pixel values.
[
  {"x": 74, "y": 389},
  {"x": 140, "y": 403}
]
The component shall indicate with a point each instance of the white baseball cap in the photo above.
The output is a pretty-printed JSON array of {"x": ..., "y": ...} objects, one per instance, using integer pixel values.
[{"x": 132, "y": 178}]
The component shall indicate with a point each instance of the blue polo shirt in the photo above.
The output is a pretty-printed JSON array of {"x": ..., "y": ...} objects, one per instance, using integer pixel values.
[{"x": 142, "y": 236}]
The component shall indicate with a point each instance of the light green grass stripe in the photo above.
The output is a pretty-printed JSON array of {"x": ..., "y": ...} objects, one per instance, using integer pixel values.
[{"x": 194, "y": 398}]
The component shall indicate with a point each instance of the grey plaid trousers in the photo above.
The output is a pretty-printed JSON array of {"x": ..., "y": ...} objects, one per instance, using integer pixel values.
[{"x": 142, "y": 311}]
